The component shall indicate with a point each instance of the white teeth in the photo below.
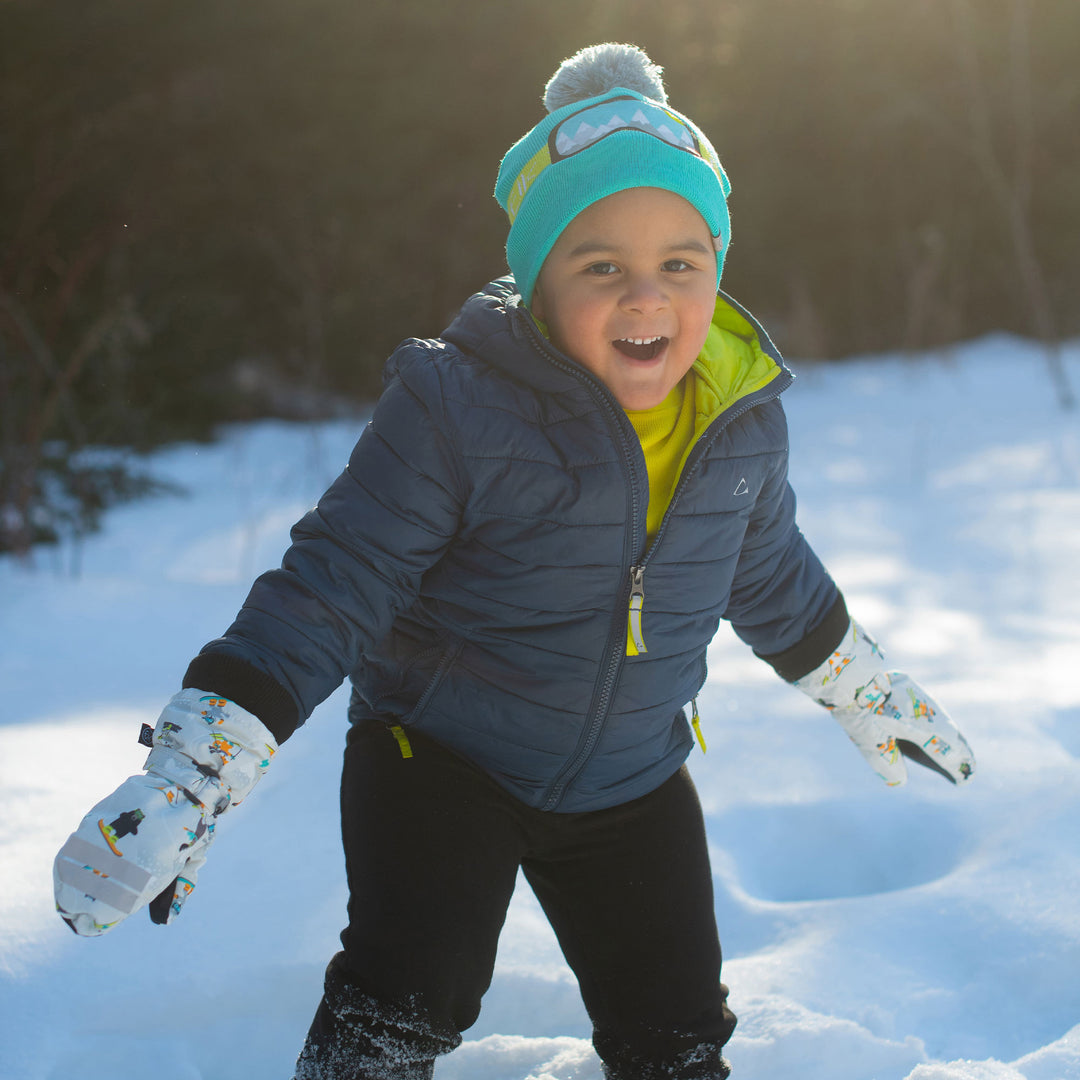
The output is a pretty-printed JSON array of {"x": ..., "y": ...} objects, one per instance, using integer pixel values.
[{"x": 642, "y": 340}]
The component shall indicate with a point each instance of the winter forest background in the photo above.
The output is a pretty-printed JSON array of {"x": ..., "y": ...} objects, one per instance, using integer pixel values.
[
  {"x": 217, "y": 217},
  {"x": 215, "y": 211}
]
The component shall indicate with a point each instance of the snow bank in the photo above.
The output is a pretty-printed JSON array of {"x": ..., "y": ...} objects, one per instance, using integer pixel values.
[{"x": 870, "y": 934}]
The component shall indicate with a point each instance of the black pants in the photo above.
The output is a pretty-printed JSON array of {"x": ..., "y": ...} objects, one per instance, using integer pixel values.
[{"x": 433, "y": 847}]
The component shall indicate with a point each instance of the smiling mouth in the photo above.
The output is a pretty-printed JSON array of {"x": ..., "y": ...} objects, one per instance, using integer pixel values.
[{"x": 640, "y": 348}]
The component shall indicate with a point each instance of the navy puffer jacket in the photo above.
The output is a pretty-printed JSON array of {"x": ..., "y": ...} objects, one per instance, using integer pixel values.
[{"x": 471, "y": 570}]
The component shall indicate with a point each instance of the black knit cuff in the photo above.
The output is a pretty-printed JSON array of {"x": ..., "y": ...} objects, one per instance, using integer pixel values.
[
  {"x": 248, "y": 687},
  {"x": 815, "y": 648}
]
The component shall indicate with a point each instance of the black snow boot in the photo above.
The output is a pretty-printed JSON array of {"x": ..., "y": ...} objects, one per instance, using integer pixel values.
[
  {"x": 701, "y": 1062},
  {"x": 356, "y": 1036}
]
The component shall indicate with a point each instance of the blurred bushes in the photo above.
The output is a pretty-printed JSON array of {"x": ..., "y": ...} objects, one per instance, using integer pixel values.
[{"x": 217, "y": 210}]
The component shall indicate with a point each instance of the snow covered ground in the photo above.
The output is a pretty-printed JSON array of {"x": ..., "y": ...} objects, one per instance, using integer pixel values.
[{"x": 870, "y": 934}]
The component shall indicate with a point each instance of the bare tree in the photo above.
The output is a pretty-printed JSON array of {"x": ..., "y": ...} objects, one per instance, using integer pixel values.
[
  {"x": 1012, "y": 188},
  {"x": 55, "y": 317}
]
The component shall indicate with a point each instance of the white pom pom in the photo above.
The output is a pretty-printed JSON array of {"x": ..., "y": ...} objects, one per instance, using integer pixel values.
[{"x": 599, "y": 68}]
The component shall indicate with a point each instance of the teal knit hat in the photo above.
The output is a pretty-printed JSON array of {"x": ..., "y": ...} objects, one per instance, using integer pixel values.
[{"x": 609, "y": 128}]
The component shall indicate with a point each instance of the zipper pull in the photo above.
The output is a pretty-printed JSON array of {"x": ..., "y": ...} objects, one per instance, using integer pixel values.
[
  {"x": 637, "y": 604},
  {"x": 695, "y": 720}
]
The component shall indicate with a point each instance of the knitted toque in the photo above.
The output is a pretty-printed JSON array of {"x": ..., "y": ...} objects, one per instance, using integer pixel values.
[{"x": 609, "y": 128}]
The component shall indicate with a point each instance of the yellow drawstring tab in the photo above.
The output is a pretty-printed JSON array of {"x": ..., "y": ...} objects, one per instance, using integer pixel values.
[
  {"x": 695, "y": 720},
  {"x": 402, "y": 741}
]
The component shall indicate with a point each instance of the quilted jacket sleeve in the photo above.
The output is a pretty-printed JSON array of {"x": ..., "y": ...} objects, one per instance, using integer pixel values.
[
  {"x": 783, "y": 602},
  {"x": 355, "y": 562}
]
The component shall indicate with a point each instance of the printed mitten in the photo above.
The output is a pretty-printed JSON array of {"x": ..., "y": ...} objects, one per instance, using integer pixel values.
[
  {"x": 887, "y": 715},
  {"x": 144, "y": 843}
]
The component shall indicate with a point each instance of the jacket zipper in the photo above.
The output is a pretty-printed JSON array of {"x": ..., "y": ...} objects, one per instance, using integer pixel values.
[
  {"x": 637, "y": 573},
  {"x": 637, "y": 605},
  {"x": 615, "y": 651},
  {"x": 634, "y": 597},
  {"x": 450, "y": 654}
]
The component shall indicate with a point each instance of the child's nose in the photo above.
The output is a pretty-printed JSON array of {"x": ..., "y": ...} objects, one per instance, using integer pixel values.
[{"x": 644, "y": 293}]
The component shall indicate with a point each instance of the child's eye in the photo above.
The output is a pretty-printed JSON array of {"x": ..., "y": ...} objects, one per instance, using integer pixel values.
[
  {"x": 601, "y": 269},
  {"x": 676, "y": 265}
]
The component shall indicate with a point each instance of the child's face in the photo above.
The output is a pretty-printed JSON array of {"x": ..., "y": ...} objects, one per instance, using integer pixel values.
[{"x": 640, "y": 266}]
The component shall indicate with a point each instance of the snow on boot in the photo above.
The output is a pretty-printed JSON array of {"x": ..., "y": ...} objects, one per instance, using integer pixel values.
[
  {"x": 701, "y": 1062},
  {"x": 356, "y": 1036}
]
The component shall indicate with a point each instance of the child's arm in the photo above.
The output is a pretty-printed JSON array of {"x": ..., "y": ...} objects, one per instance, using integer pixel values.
[
  {"x": 356, "y": 561},
  {"x": 783, "y": 602},
  {"x": 785, "y": 605}
]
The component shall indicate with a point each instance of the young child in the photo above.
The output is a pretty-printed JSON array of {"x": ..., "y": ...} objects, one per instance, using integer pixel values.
[{"x": 520, "y": 570}]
